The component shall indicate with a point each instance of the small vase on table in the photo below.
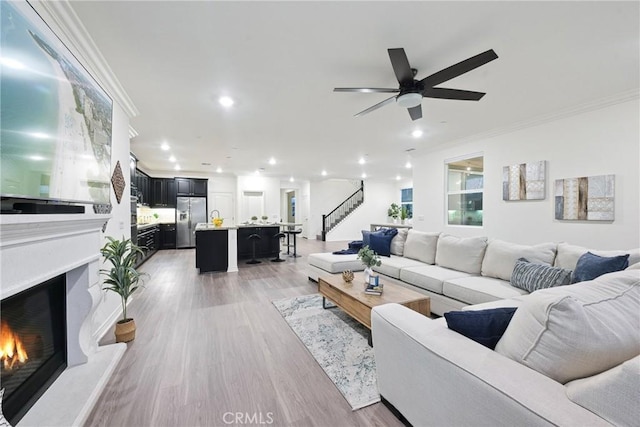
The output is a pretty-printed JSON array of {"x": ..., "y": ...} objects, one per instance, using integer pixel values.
[{"x": 368, "y": 272}]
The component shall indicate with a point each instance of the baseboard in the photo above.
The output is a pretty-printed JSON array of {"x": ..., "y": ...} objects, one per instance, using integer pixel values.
[{"x": 395, "y": 412}]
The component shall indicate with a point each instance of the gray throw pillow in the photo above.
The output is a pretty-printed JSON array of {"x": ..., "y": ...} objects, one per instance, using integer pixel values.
[{"x": 531, "y": 277}]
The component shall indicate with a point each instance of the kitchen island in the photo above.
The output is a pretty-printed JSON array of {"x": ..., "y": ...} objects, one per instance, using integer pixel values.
[
  {"x": 216, "y": 248},
  {"x": 220, "y": 248}
]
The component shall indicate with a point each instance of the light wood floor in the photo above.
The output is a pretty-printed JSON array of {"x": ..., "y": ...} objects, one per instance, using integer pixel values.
[{"x": 213, "y": 344}]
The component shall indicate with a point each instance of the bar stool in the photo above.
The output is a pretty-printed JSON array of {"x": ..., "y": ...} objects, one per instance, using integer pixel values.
[
  {"x": 293, "y": 233},
  {"x": 278, "y": 236},
  {"x": 253, "y": 238}
]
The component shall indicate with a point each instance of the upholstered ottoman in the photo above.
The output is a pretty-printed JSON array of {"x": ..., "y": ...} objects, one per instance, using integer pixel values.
[{"x": 323, "y": 263}]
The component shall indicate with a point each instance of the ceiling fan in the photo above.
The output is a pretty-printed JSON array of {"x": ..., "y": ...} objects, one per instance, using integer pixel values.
[{"x": 411, "y": 91}]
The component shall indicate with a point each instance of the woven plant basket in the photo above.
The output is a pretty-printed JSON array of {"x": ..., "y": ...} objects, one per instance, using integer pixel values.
[{"x": 125, "y": 330}]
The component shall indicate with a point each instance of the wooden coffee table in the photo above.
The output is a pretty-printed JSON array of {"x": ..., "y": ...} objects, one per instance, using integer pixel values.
[{"x": 350, "y": 296}]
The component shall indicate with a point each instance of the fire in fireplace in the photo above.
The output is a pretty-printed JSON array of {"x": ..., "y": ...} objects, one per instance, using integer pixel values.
[{"x": 32, "y": 344}]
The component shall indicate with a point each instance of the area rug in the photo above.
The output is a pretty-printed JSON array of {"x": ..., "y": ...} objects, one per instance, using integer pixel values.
[{"x": 339, "y": 345}]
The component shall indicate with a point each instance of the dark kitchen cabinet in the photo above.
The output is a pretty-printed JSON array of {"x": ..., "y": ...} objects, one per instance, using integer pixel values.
[
  {"x": 167, "y": 236},
  {"x": 148, "y": 240},
  {"x": 191, "y": 187},
  {"x": 143, "y": 184},
  {"x": 212, "y": 250},
  {"x": 266, "y": 247},
  {"x": 163, "y": 194}
]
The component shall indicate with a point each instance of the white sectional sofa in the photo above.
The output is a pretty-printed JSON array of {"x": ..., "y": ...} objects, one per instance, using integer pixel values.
[
  {"x": 569, "y": 357},
  {"x": 456, "y": 272}
]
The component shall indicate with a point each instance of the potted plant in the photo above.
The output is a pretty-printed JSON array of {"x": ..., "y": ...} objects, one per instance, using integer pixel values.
[
  {"x": 404, "y": 214},
  {"x": 264, "y": 219},
  {"x": 393, "y": 211},
  {"x": 254, "y": 219},
  {"x": 369, "y": 258},
  {"x": 123, "y": 279}
]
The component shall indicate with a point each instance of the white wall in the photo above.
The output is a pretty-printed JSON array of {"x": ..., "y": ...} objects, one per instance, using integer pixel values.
[
  {"x": 378, "y": 195},
  {"x": 598, "y": 142},
  {"x": 271, "y": 191}
]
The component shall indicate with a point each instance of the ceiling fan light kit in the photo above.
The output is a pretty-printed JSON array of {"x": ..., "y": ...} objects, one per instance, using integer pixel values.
[
  {"x": 409, "y": 100},
  {"x": 411, "y": 91}
]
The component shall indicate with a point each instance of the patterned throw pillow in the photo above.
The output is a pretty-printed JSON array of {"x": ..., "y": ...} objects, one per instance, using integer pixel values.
[{"x": 530, "y": 277}]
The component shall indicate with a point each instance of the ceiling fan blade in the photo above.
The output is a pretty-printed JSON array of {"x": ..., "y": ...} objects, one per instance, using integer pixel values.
[
  {"x": 375, "y": 107},
  {"x": 444, "y": 93},
  {"x": 459, "y": 68},
  {"x": 365, "y": 89},
  {"x": 415, "y": 112},
  {"x": 401, "y": 66}
]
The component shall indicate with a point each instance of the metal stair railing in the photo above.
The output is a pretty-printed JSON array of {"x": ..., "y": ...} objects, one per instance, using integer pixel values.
[{"x": 343, "y": 210}]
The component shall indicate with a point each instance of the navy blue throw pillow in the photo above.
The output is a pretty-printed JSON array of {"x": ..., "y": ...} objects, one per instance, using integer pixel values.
[
  {"x": 590, "y": 266},
  {"x": 380, "y": 243},
  {"x": 483, "y": 326}
]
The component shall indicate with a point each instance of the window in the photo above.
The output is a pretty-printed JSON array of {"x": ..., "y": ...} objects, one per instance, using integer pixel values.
[
  {"x": 465, "y": 182},
  {"x": 406, "y": 201}
]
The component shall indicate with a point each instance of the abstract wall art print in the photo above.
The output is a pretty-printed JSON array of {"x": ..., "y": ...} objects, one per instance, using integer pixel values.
[
  {"x": 525, "y": 181},
  {"x": 589, "y": 198}
]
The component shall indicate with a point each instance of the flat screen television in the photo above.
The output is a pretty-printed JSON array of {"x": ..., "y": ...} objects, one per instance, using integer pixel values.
[{"x": 55, "y": 126}]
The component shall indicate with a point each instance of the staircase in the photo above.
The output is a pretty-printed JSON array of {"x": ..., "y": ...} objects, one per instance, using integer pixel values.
[{"x": 344, "y": 209}]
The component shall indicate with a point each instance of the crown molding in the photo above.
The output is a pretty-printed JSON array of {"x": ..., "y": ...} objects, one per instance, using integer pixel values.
[{"x": 76, "y": 34}]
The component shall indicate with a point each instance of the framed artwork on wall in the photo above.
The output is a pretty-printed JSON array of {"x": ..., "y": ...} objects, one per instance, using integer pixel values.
[
  {"x": 524, "y": 181},
  {"x": 589, "y": 198}
]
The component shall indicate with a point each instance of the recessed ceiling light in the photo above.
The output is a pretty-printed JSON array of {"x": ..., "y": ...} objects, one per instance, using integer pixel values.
[
  {"x": 272, "y": 161},
  {"x": 165, "y": 146},
  {"x": 398, "y": 177},
  {"x": 468, "y": 168},
  {"x": 225, "y": 101},
  {"x": 172, "y": 159},
  {"x": 417, "y": 133},
  {"x": 291, "y": 179},
  {"x": 324, "y": 173},
  {"x": 364, "y": 175},
  {"x": 177, "y": 167},
  {"x": 361, "y": 161},
  {"x": 219, "y": 170},
  {"x": 407, "y": 165}
]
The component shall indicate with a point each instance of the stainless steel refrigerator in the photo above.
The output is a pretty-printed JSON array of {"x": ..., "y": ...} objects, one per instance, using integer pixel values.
[{"x": 189, "y": 211}]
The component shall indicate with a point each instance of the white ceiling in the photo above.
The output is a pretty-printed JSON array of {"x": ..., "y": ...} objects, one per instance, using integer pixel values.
[{"x": 281, "y": 60}]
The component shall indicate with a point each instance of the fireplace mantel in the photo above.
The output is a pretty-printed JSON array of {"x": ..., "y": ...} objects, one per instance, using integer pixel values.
[{"x": 35, "y": 248}]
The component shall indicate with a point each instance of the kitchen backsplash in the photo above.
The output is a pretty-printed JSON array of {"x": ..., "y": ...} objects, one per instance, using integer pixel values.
[{"x": 147, "y": 215}]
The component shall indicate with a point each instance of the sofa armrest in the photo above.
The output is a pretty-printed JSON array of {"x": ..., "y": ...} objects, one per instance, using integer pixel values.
[{"x": 435, "y": 376}]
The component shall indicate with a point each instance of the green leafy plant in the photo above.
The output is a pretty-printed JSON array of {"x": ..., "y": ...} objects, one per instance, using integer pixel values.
[
  {"x": 404, "y": 214},
  {"x": 254, "y": 218},
  {"x": 393, "y": 211},
  {"x": 122, "y": 278},
  {"x": 264, "y": 217},
  {"x": 369, "y": 257}
]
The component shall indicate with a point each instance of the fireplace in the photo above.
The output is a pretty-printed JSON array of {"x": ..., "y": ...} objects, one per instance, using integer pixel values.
[
  {"x": 36, "y": 251},
  {"x": 32, "y": 344}
]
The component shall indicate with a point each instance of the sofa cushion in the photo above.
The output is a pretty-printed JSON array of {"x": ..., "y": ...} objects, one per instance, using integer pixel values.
[
  {"x": 612, "y": 394},
  {"x": 568, "y": 332},
  {"x": 500, "y": 257},
  {"x": 531, "y": 277},
  {"x": 635, "y": 266},
  {"x": 590, "y": 266},
  {"x": 568, "y": 255},
  {"x": 397, "y": 243},
  {"x": 391, "y": 266},
  {"x": 478, "y": 289},
  {"x": 429, "y": 277},
  {"x": 335, "y": 263},
  {"x": 483, "y": 326},
  {"x": 461, "y": 253},
  {"x": 421, "y": 245},
  {"x": 380, "y": 243}
]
